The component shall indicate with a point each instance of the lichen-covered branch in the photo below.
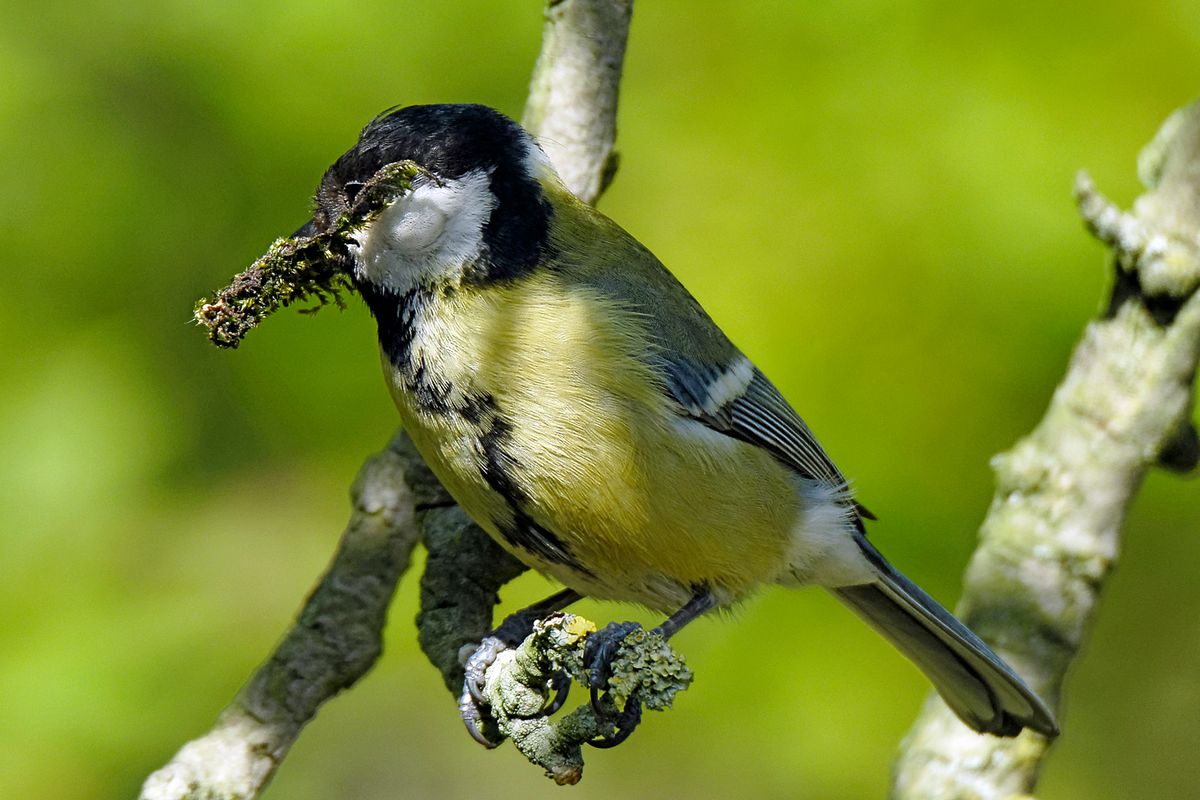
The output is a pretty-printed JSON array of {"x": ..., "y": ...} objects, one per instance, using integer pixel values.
[
  {"x": 459, "y": 589},
  {"x": 333, "y": 643},
  {"x": 646, "y": 672},
  {"x": 1051, "y": 536}
]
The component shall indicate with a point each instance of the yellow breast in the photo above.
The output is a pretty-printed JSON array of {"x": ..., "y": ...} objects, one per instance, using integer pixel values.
[{"x": 649, "y": 504}]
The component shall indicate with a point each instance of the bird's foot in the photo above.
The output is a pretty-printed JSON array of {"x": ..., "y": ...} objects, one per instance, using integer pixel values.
[
  {"x": 600, "y": 652},
  {"x": 511, "y": 684},
  {"x": 474, "y": 707}
]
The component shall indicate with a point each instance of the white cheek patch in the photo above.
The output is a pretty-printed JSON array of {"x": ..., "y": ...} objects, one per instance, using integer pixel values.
[
  {"x": 434, "y": 230},
  {"x": 419, "y": 226}
]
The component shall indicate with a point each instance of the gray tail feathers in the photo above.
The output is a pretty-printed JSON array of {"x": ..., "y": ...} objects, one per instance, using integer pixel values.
[{"x": 976, "y": 684}]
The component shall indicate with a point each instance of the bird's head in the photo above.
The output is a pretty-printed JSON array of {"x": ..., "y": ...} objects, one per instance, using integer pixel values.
[{"x": 484, "y": 214}]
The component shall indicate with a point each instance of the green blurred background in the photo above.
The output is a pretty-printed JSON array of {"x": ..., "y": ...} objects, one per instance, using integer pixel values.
[{"x": 873, "y": 199}]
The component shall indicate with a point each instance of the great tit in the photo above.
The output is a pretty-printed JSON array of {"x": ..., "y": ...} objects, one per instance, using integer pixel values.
[{"x": 583, "y": 408}]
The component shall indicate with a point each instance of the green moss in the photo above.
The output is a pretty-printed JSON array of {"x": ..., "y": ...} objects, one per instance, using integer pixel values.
[{"x": 301, "y": 268}]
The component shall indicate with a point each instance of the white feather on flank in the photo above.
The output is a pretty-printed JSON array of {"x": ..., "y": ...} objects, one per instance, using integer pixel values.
[
  {"x": 434, "y": 229},
  {"x": 823, "y": 549}
]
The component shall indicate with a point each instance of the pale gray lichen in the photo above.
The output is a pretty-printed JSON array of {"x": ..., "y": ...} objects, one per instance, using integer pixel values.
[{"x": 645, "y": 670}]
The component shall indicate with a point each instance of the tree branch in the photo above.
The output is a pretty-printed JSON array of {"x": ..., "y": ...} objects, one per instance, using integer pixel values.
[
  {"x": 646, "y": 673},
  {"x": 1052, "y": 534},
  {"x": 572, "y": 106},
  {"x": 333, "y": 643}
]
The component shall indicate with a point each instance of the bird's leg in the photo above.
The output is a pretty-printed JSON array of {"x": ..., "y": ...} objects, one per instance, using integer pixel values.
[
  {"x": 515, "y": 628},
  {"x": 702, "y": 601},
  {"x": 602, "y": 648}
]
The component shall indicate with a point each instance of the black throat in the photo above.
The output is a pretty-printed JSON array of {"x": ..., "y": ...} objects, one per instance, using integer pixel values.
[{"x": 396, "y": 316}]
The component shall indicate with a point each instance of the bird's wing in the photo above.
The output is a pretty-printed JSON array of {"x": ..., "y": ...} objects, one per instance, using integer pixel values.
[
  {"x": 739, "y": 401},
  {"x": 704, "y": 374}
]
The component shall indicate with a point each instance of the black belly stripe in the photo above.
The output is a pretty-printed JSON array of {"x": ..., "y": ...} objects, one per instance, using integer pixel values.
[
  {"x": 432, "y": 396},
  {"x": 528, "y": 535},
  {"x": 497, "y": 469},
  {"x": 397, "y": 316}
]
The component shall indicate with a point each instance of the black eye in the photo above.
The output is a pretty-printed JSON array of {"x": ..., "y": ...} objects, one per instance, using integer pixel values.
[{"x": 352, "y": 188}]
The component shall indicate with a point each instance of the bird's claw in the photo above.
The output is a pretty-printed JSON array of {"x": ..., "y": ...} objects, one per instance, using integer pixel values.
[
  {"x": 598, "y": 654},
  {"x": 471, "y": 704},
  {"x": 560, "y": 684},
  {"x": 614, "y": 666},
  {"x": 476, "y": 667},
  {"x": 625, "y": 722},
  {"x": 478, "y": 724},
  {"x": 601, "y": 649}
]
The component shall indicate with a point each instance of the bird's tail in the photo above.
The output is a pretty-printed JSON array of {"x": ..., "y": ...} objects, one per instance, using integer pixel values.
[{"x": 976, "y": 684}]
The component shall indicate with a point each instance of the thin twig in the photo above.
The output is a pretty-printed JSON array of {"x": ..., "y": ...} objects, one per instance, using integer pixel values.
[{"x": 572, "y": 106}]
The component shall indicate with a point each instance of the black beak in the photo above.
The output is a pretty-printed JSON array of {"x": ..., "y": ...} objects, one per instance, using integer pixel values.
[{"x": 305, "y": 231}]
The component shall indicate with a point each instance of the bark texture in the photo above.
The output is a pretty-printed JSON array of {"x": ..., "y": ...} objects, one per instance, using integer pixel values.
[{"x": 333, "y": 643}]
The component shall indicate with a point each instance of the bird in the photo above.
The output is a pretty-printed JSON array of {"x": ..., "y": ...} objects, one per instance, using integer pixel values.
[{"x": 584, "y": 409}]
